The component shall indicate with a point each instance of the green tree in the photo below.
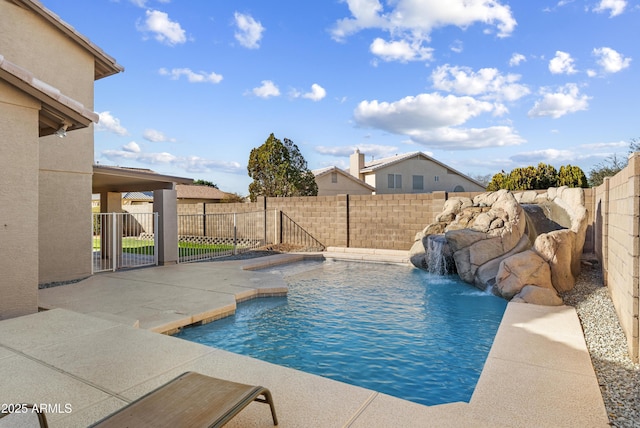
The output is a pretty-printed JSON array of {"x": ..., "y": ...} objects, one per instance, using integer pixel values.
[
  {"x": 498, "y": 181},
  {"x": 572, "y": 176},
  {"x": 541, "y": 177},
  {"x": 279, "y": 169},
  {"x": 205, "y": 183},
  {"x": 231, "y": 198},
  {"x": 547, "y": 176},
  {"x": 522, "y": 179}
]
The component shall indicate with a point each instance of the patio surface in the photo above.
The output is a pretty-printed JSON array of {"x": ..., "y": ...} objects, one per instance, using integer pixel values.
[{"x": 99, "y": 349}]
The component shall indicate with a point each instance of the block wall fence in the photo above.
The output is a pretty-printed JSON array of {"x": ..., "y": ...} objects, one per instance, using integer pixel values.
[
  {"x": 616, "y": 208},
  {"x": 392, "y": 221}
]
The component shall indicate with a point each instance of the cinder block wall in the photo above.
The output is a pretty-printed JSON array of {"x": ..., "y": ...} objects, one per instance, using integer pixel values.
[
  {"x": 391, "y": 221},
  {"x": 616, "y": 208},
  {"x": 358, "y": 221}
]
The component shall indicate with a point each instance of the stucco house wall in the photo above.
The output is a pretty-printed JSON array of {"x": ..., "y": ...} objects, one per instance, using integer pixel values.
[
  {"x": 47, "y": 72},
  {"x": 65, "y": 168},
  {"x": 344, "y": 184},
  {"x": 435, "y": 177},
  {"x": 19, "y": 217}
]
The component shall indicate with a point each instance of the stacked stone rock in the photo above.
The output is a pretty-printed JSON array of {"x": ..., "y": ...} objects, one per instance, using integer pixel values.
[{"x": 493, "y": 247}]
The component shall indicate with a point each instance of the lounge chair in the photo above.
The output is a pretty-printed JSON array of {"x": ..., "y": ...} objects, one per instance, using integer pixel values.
[{"x": 190, "y": 400}]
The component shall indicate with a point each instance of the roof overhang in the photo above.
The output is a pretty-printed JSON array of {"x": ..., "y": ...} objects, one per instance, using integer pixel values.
[
  {"x": 57, "y": 110},
  {"x": 105, "y": 65},
  {"x": 117, "y": 179}
]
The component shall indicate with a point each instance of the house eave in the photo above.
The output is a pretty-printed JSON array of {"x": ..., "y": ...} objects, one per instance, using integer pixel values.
[{"x": 56, "y": 110}]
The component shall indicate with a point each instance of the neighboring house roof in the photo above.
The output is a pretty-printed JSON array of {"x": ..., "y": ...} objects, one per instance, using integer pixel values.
[
  {"x": 374, "y": 165},
  {"x": 199, "y": 192},
  {"x": 325, "y": 171},
  {"x": 138, "y": 196},
  {"x": 57, "y": 109},
  {"x": 105, "y": 65}
]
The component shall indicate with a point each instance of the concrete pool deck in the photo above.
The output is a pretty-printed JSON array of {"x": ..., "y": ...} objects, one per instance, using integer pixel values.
[{"x": 98, "y": 350}]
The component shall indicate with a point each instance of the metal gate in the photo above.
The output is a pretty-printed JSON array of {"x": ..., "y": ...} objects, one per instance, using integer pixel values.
[{"x": 124, "y": 240}]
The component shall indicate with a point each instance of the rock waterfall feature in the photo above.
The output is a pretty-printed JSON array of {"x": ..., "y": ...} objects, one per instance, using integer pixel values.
[{"x": 525, "y": 246}]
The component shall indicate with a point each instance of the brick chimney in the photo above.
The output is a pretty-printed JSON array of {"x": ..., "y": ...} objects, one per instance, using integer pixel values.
[{"x": 356, "y": 163}]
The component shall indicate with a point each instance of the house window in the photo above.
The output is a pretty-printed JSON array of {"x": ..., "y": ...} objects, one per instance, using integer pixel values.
[
  {"x": 334, "y": 177},
  {"x": 458, "y": 188},
  {"x": 418, "y": 182},
  {"x": 436, "y": 178},
  {"x": 395, "y": 181}
]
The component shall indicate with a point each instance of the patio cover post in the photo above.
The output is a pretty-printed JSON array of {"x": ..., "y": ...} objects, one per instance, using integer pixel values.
[{"x": 165, "y": 203}]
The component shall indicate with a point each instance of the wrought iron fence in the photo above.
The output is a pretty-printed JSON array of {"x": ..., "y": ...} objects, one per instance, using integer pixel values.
[
  {"x": 295, "y": 236},
  {"x": 123, "y": 240},
  {"x": 207, "y": 236}
]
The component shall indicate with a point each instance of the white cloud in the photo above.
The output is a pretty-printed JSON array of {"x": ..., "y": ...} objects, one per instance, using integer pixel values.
[
  {"x": 457, "y": 46},
  {"x": 109, "y": 123},
  {"x": 400, "y": 50},
  {"x": 549, "y": 156},
  {"x": 156, "y": 136},
  {"x": 516, "y": 59},
  {"x": 615, "y": 7},
  {"x": 610, "y": 60},
  {"x": 165, "y": 30},
  {"x": 606, "y": 146},
  {"x": 410, "y": 23},
  {"x": 486, "y": 82},
  {"x": 471, "y": 138},
  {"x": 143, "y": 3},
  {"x": 430, "y": 119},
  {"x": 424, "y": 111},
  {"x": 249, "y": 31},
  {"x": 375, "y": 150},
  {"x": 317, "y": 93},
  {"x": 415, "y": 19},
  {"x": 191, "y": 164},
  {"x": 266, "y": 90},
  {"x": 131, "y": 147},
  {"x": 565, "y": 100},
  {"x": 562, "y": 63},
  {"x": 191, "y": 76}
]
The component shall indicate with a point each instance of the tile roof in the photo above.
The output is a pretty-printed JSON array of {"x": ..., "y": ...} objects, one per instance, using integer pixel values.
[
  {"x": 186, "y": 191},
  {"x": 138, "y": 196}
]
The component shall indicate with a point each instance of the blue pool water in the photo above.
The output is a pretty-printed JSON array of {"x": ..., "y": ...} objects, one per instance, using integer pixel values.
[{"x": 389, "y": 328}]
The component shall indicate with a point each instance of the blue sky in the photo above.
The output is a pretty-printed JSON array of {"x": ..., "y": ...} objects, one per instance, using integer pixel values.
[{"x": 481, "y": 85}]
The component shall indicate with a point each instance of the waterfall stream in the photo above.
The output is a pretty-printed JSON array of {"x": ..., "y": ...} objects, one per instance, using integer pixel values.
[{"x": 437, "y": 259}]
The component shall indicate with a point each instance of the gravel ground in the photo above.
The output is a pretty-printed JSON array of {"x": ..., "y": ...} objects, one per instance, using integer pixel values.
[{"x": 618, "y": 376}]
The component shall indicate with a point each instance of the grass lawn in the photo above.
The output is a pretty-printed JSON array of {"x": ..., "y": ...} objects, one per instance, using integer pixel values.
[{"x": 145, "y": 246}]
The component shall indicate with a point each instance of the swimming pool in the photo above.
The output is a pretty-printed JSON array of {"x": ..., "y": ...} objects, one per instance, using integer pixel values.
[{"x": 393, "y": 329}]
